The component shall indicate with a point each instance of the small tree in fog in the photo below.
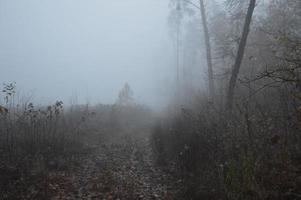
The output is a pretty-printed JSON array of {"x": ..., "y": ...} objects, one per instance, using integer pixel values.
[{"x": 125, "y": 96}]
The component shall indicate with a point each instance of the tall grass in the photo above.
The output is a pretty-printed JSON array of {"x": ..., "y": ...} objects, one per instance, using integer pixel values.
[
  {"x": 35, "y": 140},
  {"x": 252, "y": 153}
]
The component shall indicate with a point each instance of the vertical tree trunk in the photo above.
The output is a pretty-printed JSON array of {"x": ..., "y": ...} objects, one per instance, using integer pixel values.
[
  {"x": 240, "y": 54},
  {"x": 208, "y": 49}
]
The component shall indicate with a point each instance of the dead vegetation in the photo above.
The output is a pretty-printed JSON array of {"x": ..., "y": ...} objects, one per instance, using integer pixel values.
[
  {"x": 238, "y": 140},
  {"x": 251, "y": 150},
  {"x": 42, "y": 146}
]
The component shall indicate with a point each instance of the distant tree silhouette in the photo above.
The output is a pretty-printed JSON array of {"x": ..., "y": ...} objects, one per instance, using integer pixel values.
[
  {"x": 208, "y": 49},
  {"x": 125, "y": 96}
]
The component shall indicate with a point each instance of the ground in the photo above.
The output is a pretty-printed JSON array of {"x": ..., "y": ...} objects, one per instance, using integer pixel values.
[{"x": 122, "y": 168}]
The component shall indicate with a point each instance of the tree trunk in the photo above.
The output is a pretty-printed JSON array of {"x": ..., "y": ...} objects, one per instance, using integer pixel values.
[
  {"x": 208, "y": 49},
  {"x": 240, "y": 54}
]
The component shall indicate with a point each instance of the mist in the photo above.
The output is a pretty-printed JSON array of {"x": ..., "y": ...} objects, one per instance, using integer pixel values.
[
  {"x": 150, "y": 99},
  {"x": 84, "y": 52}
]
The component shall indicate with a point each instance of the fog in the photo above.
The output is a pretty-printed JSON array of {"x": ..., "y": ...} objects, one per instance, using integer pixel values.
[
  {"x": 85, "y": 51},
  {"x": 150, "y": 99}
]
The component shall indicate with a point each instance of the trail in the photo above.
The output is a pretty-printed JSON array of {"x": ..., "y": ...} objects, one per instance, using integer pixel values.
[{"x": 122, "y": 168}]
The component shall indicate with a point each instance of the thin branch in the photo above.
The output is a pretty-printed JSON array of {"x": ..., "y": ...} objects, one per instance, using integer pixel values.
[{"x": 191, "y": 3}]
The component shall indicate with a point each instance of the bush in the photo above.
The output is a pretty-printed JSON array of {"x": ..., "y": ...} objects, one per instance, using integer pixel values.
[{"x": 239, "y": 155}]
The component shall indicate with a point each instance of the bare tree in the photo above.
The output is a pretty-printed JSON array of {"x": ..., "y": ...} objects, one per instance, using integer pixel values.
[
  {"x": 125, "y": 96},
  {"x": 184, "y": 5},
  {"x": 240, "y": 54},
  {"x": 208, "y": 49}
]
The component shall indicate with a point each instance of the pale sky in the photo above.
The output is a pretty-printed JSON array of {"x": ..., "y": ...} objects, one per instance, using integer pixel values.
[{"x": 86, "y": 49}]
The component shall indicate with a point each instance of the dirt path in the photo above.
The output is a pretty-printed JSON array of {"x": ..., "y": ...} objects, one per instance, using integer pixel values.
[{"x": 120, "y": 169}]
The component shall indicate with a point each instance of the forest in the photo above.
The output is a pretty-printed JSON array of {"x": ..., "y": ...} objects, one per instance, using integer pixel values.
[{"x": 217, "y": 115}]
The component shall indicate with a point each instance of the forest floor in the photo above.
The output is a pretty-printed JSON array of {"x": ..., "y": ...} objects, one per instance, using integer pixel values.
[{"x": 122, "y": 168}]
